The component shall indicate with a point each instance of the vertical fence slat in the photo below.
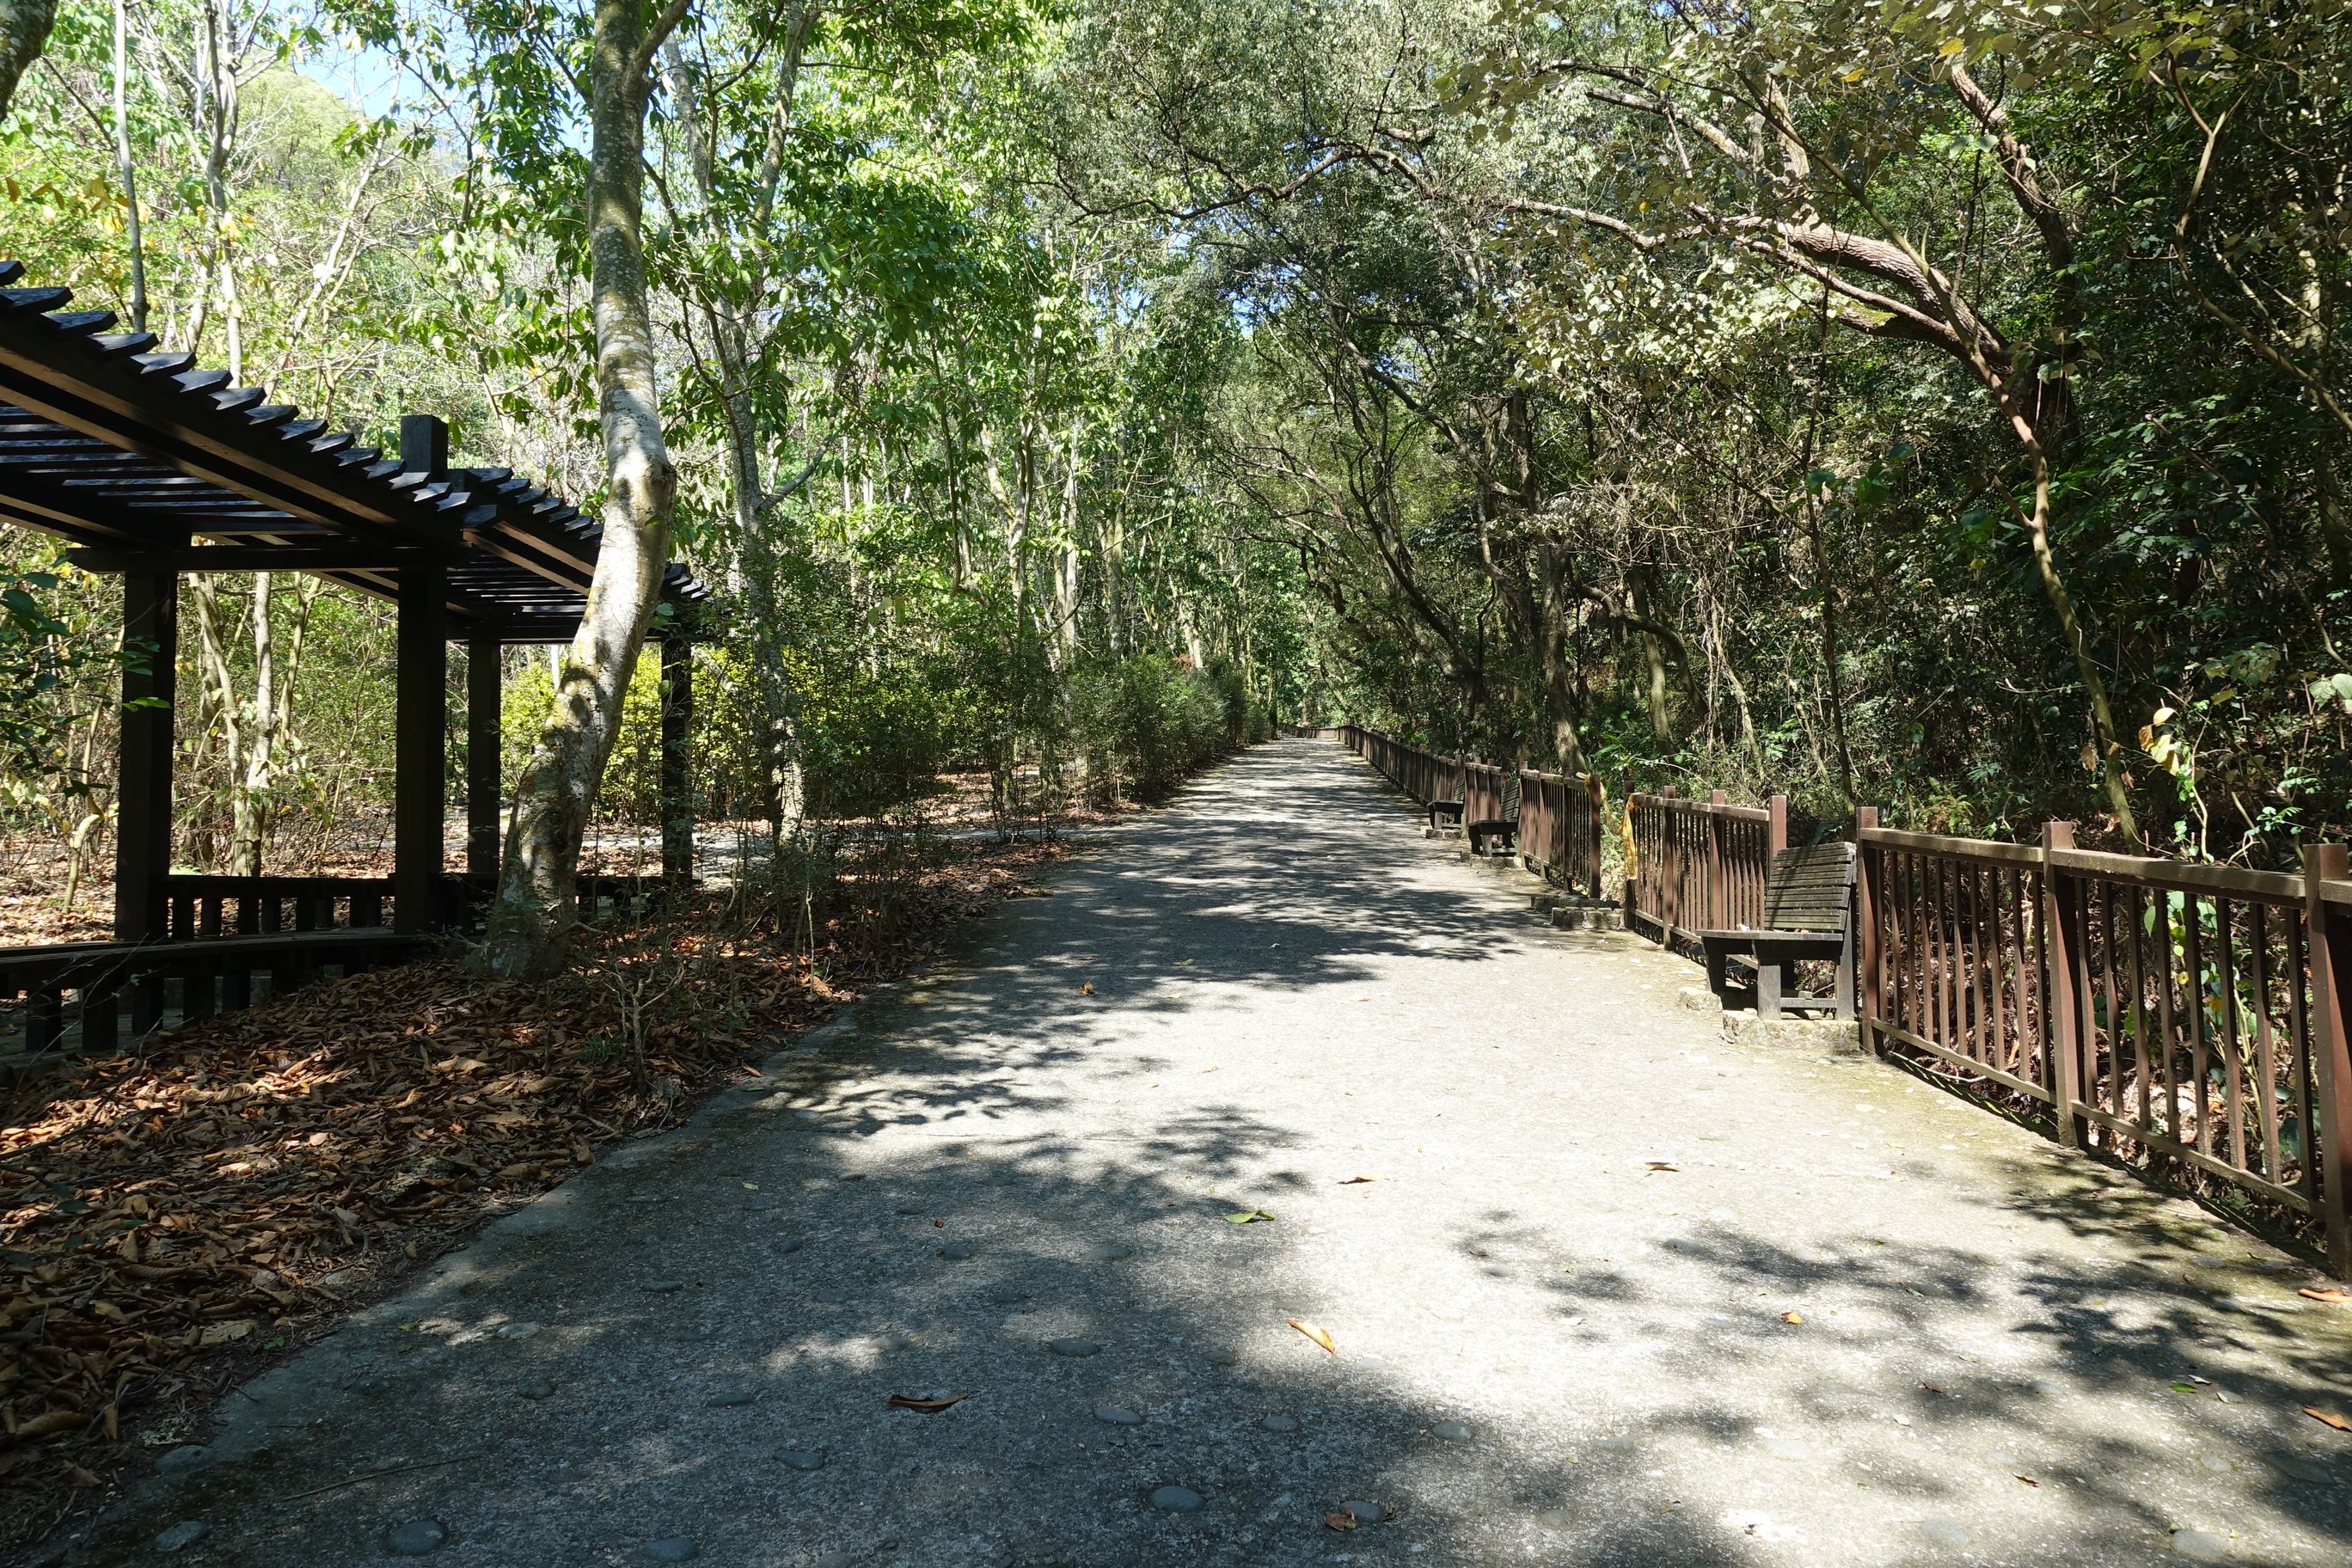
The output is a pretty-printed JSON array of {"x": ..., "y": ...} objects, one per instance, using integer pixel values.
[
  {"x": 2329, "y": 1137},
  {"x": 2266, "y": 1064}
]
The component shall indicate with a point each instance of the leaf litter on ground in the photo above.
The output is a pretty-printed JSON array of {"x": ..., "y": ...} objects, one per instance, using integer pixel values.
[{"x": 287, "y": 1163}]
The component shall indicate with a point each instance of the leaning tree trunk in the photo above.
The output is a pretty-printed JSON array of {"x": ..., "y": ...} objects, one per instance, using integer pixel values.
[
  {"x": 531, "y": 918},
  {"x": 24, "y": 29}
]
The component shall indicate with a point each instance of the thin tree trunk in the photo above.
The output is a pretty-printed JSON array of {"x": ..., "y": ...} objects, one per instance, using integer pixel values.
[
  {"x": 531, "y": 919},
  {"x": 133, "y": 233}
]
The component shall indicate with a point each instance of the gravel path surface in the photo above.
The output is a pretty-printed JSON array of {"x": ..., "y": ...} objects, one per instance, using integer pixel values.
[{"x": 1618, "y": 1292}]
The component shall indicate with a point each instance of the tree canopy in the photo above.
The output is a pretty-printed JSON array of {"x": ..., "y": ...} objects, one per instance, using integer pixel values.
[{"x": 1937, "y": 406}]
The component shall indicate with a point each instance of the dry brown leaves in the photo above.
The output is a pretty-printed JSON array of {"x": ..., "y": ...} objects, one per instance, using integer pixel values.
[{"x": 249, "y": 1179}]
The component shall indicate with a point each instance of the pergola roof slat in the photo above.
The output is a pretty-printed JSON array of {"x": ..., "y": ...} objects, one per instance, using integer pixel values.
[{"x": 109, "y": 443}]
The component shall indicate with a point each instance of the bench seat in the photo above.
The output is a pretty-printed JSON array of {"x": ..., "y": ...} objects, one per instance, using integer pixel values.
[{"x": 1809, "y": 913}]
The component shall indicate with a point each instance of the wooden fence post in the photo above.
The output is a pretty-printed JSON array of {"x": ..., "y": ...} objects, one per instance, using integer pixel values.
[
  {"x": 1670, "y": 873},
  {"x": 1865, "y": 912},
  {"x": 1599, "y": 808},
  {"x": 2061, "y": 919},
  {"x": 1717, "y": 916},
  {"x": 2329, "y": 928},
  {"x": 1776, "y": 836}
]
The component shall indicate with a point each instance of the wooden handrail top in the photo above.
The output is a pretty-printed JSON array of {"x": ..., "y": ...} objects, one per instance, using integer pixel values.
[
  {"x": 1992, "y": 849},
  {"x": 2182, "y": 876},
  {"x": 201, "y": 884},
  {"x": 1700, "y": 807},
  {"x": 29, "y": 968}
]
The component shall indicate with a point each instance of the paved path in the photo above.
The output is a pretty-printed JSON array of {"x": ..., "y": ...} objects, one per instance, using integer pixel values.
[{"x": 1552, "y": 1351}]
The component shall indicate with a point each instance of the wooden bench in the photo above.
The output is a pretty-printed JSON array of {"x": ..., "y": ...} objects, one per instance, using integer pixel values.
[
  {"x": 1808, "y": 913},
  {"x": 1491, "y": 834}
]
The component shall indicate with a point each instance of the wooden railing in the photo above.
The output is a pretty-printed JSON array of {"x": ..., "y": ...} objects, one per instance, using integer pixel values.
[
  {"x": 2164, "y": 1010},
  {"x": 80, "y": 995},
  {"x": 1484, "y": 792},
  {"x": 211, "y": 906},
  {"x": 235, "y": 940},
  {"x": 1424, "y": 775},
  {"x": 1698, "y": 864},
  {"x": 1560, "y": 817},
  {"x": 1560, "y": 829}
]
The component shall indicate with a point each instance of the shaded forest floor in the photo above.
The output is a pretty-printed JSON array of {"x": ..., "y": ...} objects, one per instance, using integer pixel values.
[
  {"x": 174, "y": 1220},
  {"x": 35, "y": 865}
]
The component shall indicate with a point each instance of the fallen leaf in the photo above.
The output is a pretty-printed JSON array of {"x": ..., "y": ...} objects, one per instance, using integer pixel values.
[
  {"x": 1339, "y": 1518},
  {"x": 2327, "y": 1418},
  {"x": 927, "y": 1404},
  {"x": 1247, "y": 1216},
  {"x": 1088, "y": 989},
  {"x": 1662, "y": 1165},
  {"x": 751, "y": 1186},
  {"x": 1792, "y": 1317},
  {"x": 1933, "y": 1387},
  {"x": 2029, "y": 1480},
  {"x": 222, "y": 1333},
  {"x": 2330, "y": 1295},
  {"x": 81, "y": 1477},
  {"x": 2184, "y": 1388},
  {"x": 48, "y": 1425},
  {"x": 1320, "y": 1336},
  {"x": 1358, "y": 1181}
]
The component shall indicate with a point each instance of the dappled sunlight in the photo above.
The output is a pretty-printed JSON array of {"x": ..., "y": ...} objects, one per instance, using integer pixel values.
[{"x": 1590, "y": 1297}]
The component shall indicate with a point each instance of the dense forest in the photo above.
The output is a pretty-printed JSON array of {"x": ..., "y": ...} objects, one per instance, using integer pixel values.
[{"x": 1933, "y": 407}]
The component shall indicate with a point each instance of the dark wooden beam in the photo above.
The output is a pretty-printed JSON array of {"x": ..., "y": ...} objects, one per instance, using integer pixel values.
[
  {"x": 485, "y": 688},
  {"x": 143, "y": 855},
  {"x": 676, "y": 728},
  {"x": 246, "y": 558},
  {"x": 420, "y": 750}
]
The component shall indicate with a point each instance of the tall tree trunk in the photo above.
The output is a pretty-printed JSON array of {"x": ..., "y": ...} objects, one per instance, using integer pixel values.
[
  {"x": 24, "y": 29},
  {"x": 531, "y": 919},
  {"x": 133, "y": 233}
]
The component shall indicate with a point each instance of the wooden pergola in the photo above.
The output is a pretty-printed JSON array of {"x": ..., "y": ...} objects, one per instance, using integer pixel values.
[{"x": 150, "y": 467}]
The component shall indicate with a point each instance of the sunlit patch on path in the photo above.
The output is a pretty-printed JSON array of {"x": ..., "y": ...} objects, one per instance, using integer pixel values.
[{"x": 1067, "y": 1254}]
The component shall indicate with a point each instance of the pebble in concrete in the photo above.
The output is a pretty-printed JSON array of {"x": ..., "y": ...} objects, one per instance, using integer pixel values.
[
  {"x": 956, "y": 1251},
  {"x": 185, "y": 1534},
  {"x": 1280, "y": 1423},
  {"x": 2200, "y": 1545},
  {"x": 184, "y": 1457},
  {"x": 673, "y": 1549},
  {"x": 802, "y": 1458},
  {"x": 1117, "y": 1416},
  {"x": 1177, "y": 1499},
  {"x": 415, "y": 1537},
  {"x": 665, "y": 1286},
  {"x": 732, "y": 1395},
  {"x": 1075, "y": 1347},
  {"x": 537, "y": 1388},
  {"x": 831, "y": 1297},
  {"x": 517, "y": 1331},
  {"x": 1452, "y": 1431},
  {"x": 1364, "y": 1512},
  {"x": 791, "y": 1244}
]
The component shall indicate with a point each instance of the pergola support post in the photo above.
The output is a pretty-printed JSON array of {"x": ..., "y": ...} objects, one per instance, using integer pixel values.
[
  {"x": 484, "y": 688},
  {"x": 421, "y": 746},
  {"x": 142, "y": 795},
  {"x": 676, "y": 723}
]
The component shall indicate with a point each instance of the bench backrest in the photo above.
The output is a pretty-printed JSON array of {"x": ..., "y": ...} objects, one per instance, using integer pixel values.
[{"x": 1810, "y": 889}]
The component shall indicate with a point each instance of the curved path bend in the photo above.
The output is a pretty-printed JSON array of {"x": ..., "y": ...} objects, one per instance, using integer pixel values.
[{"x": 1621, "y": 1293}]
